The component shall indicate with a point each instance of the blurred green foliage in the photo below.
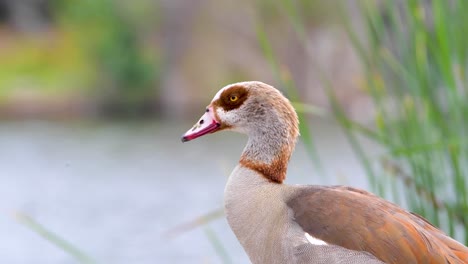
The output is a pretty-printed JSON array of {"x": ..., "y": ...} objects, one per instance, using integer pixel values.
[
  {"x": 54, "y": 64},
  {"x": 112, "y": 35},
  {"x": 100, "y": 49},
  {"x": 312, "y": 12}
]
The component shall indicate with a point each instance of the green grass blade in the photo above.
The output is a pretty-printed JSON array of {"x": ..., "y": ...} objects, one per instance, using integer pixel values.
[
  {"x": 53, "y": 238},
  {"x": 197, "y": 222},
  {"x": 218, "y": 246}
]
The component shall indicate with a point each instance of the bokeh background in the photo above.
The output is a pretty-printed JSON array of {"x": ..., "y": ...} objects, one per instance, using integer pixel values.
[{"x": 95, "y": 94}]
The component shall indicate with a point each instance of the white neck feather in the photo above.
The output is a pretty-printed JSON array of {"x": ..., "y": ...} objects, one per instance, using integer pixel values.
[
  {"x": 254, "y": 207},
  {"x": 263, "y": 147}
]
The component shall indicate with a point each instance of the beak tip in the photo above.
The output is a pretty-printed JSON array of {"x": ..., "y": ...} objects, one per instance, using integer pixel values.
[{"x": 184, "y": 139}]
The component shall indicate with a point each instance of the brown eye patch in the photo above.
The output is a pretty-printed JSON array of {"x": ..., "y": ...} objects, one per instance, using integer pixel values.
[{"x": 233, "y": 98}]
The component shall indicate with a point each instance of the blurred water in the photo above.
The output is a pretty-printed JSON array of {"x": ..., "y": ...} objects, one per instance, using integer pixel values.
[{"x": 113, "y": 189}]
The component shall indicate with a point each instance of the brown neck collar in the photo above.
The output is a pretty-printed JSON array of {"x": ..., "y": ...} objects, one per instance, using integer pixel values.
[{"x": 274, "y": 171}]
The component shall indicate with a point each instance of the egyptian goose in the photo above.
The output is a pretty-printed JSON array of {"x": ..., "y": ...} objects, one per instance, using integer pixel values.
[{"x": 279, "y": 223}]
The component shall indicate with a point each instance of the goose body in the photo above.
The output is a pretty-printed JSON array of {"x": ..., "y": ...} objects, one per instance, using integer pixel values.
[{"x": 279, "y": 223}]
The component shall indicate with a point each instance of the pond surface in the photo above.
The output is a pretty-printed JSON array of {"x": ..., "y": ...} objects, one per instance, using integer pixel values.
[{"x": 113, "y": 190}]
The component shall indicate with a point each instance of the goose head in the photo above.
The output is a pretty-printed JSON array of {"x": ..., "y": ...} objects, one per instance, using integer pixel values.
[{"x": 264, "y": 114}]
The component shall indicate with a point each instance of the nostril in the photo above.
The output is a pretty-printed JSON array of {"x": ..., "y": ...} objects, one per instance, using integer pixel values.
[
  {"x": 207, "y": 110},
  {"x": 202, "y": 121}
]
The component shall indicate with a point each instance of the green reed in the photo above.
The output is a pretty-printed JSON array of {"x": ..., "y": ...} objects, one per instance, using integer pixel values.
[
  {"x": 414, "y": 55},
  {"x": 414, "y": 59}
]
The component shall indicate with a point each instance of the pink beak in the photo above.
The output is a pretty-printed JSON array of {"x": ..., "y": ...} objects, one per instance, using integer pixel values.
[{"x": 207, "y": 124}]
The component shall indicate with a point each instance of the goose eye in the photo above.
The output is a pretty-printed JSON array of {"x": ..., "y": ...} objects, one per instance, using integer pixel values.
[{"x": 233, "y": 98}]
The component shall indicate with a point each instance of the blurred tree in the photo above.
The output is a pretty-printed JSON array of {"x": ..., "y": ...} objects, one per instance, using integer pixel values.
[{"x": 126, "y": 70}]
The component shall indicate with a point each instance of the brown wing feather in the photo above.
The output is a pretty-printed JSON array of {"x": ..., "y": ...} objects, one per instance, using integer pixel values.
[{"x": 358, "y": 220}]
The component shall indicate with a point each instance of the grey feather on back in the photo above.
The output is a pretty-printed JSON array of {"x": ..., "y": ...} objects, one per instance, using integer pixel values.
[{"x": 329, "y": 254}]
